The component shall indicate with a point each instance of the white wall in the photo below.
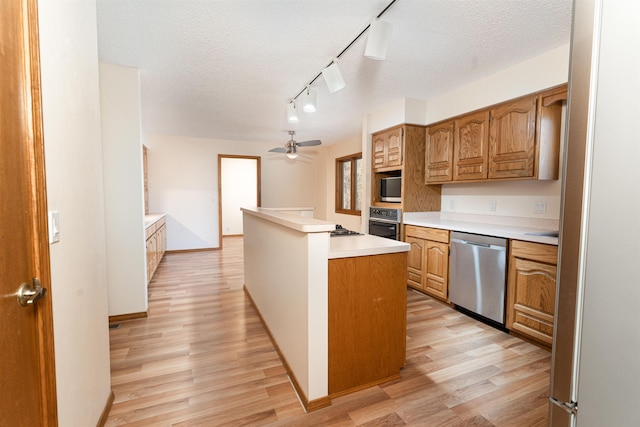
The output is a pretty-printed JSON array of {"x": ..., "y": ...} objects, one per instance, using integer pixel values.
[
  {"x": 123, "y": 189},
  {"x": 513, "y": 198},
  {"x": 608, "y": 386},
  {"x": 239, "y": 190},
  {"x": 183, "y": 182},
  {"x": 69, "y": 64}
]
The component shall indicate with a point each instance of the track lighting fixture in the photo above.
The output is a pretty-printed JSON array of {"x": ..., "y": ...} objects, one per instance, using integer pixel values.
[
  {"x": 376, "y": 48},
  {"x": 378, "y": 40},
  {"x": 292, "y": 112},
  {"x": 309, "y": 100},
  {"x": 333, "y": 77}
]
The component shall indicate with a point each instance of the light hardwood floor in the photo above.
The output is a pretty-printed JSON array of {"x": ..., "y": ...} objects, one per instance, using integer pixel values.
[{"x": 202, "y": 358}]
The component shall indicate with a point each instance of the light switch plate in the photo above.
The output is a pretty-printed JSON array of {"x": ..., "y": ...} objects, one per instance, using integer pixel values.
[{"x": 54, "y": 227}]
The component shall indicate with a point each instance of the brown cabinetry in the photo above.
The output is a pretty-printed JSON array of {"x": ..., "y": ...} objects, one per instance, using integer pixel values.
[
  {"x": 428, "y": 260},
  {"x": 156, "y": 234},
  {"x": 518, "y": 139},
  {"x": 471, "y": 147},
  {"x": 439, "y": 153},
  {"x": 408, "y": 164},
  {"x": 387, "y": 149},
  {"x": 531, "y": 290}
]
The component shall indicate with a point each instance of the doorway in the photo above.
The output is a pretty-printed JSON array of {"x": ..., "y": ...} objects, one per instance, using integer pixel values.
[{"x": 238, "y": 186}]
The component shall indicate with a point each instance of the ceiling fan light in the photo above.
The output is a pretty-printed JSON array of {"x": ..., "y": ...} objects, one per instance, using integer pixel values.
[
  {"x": 309, "y": 100},
  {"x": 333, "y": 77},
  {"x": 292, "y": 155},
  {"x": 378, "y": 40},
  {"x": 292, "y": 150},
  {"x": 292, "y": 113}
]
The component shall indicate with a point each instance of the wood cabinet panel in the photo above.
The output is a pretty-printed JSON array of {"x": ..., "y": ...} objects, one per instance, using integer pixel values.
[
  {"x": 387, "y": 149},
  {"x": 437, "y": 273},
  {"x": 439, "y": 153},
  {"x": 471, "y": 147},
  {"x": 531, "y": 290},
  {"x": 428, "y": 260},
  {"x": 156, "y": 245},
  {"x": 415, "y": 262},
  {"x": 367, "y": 320},
  {"x": 512, "y": 139}
]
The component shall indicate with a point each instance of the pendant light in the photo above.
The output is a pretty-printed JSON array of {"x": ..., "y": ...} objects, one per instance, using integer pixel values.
[
  {"x": 309, "y": 100},
  {"x": 292, "y": 112},
  {"x": 333, "y": 77},
  {"x": 378, "y": 40}
]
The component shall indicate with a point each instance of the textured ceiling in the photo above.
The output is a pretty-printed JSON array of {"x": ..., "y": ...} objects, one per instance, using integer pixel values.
[{"x": 225, "y": 69}]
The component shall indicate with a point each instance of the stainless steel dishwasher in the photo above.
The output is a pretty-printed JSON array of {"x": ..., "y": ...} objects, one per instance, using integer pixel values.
[{"x": 477, "y": 274}]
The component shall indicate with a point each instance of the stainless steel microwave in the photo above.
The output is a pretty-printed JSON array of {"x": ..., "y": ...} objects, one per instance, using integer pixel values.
[{"x": 391, "y": 189}]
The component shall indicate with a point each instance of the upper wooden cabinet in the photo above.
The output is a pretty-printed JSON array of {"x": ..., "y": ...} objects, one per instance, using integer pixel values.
[
  {"x": 399, "y": 152},
  {"x": 439, "y": 153},
  {"x": 387, "y": 149},
  {"x": 518, "y": 139},
  {"x": 512, "y": 137},
  {"x": 471, "y": 145}
]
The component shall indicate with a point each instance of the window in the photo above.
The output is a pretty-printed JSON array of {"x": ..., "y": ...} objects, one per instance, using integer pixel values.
[{"x": 349, "y": 184}]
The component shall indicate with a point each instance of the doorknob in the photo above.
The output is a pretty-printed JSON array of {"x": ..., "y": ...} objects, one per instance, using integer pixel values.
[{"x": 28, "y": 295}]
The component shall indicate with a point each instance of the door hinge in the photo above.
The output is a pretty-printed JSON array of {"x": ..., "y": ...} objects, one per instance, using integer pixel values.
[{"x": 570, "y": 407}]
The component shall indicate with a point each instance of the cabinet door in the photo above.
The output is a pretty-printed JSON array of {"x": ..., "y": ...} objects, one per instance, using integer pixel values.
[
  {"x": 532, "y": 289},
  {"x": 512, "y": 139},
  {"x": 439, "y": 153},
  {"x": 471, "y": 146},
  {"x": 378, "y": 145},
  {"x": 415, "y": 262},
  {"x": 437, "y": 269},
  {"x": 394, "y": 148}
]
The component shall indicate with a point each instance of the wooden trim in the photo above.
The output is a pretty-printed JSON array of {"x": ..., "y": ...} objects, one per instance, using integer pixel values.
[
  {"x": 309, "y": 405},
  {"x": 258, "y": 183},
  {"x": 338, "y": 184},
  {"x": 182, "y": 251},
  {"x": 42, "y": 267},
  {"x": 107, "y": 408},
  {"x": 129, "y": 316},
  {"x": 363, "y": 386}
]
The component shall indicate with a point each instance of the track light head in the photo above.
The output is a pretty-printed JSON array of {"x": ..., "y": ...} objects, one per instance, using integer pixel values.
[
  {"x": 333, "y": 77},
  {"x": 309, "y": 100},
  {"x": 378, "y": 40},
  {"x": 292, "y": 112}
]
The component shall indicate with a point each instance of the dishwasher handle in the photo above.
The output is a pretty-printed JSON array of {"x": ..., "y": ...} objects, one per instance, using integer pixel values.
[
  {"x": 467, "y": 242},
  {"x": 496, "y": 244}
]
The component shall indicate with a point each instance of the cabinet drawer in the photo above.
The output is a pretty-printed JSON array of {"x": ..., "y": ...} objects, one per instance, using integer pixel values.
[
  {"x": 534, "y": 251},
  {"x": 434, "y": 234}
]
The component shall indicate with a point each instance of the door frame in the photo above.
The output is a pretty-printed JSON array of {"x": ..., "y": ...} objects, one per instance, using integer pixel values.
[
  {"x": 33, "y": 140},
  {"x": 258, "y": 184}
]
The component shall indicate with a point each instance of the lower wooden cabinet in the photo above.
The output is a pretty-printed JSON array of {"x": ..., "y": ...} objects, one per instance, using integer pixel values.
[
  {"x": 428, "y": 260},
  {"x": 156, "y": 245},
  {"x": 531, "y": 290}
]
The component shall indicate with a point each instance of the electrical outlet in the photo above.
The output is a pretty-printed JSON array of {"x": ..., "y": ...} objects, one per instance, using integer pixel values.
[
  {"x": 493, "y": 205},
  {"x": 539, "y": 207},
  {"x": 452, "y": 204},
  {"x": 54, "y": 227}
]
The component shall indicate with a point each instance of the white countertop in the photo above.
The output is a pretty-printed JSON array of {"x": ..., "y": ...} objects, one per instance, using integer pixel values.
[
  {"x": 296, "y": 222},
  {"x": 151, "y": 218},
  {"x": 363, "y": 245},
  {"x": 527, "y": 229}
]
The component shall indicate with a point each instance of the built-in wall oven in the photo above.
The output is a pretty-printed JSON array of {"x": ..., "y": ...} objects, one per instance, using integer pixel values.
[{"x": 385, "y": 222}]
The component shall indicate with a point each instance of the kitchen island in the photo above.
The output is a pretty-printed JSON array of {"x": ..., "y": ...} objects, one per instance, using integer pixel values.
[{"x": 335, "y": 307}]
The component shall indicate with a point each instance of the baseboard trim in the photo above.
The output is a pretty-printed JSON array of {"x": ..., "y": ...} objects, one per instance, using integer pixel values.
[
  {"x": 309, "y": 405},
  {"x": 182, "y": 251},
  {"x": 107, "y": 408},
  {"x": 129, "y": 316}
]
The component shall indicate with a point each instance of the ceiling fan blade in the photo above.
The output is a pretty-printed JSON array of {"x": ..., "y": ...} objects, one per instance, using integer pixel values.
[
  {"x": 309, "y": 143},
  {"x": 278, "y": 150}
]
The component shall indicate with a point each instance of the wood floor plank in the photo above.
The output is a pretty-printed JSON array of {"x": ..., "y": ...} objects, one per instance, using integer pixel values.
[{"x": 203, "y": 358}]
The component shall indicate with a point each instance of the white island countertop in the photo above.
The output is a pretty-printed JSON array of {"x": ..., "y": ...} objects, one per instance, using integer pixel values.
[
  {"x": 339, "y": 246},
  {"x": 363, "y": 245},
  {"x": 527, "y": 229}
]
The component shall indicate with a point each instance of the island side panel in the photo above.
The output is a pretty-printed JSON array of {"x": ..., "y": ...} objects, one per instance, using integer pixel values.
[
  {"x": 367, "y": 320},
  {"x": 276, "y": 275}
]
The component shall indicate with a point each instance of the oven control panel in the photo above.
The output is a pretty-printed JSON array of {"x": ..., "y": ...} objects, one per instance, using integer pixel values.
[{"x": 386, "y": 214}]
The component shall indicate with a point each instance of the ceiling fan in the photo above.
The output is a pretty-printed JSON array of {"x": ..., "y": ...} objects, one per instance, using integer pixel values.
[{"x": 291, "y": 147}]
